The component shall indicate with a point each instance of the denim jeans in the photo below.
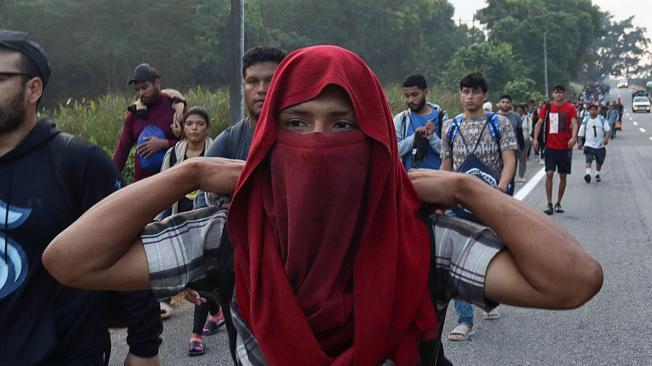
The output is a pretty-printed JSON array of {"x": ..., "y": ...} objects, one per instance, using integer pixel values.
[{"x": 464, "y": 312}]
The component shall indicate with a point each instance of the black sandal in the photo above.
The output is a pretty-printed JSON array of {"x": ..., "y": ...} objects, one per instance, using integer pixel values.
[{"x": 196, "y": 348}]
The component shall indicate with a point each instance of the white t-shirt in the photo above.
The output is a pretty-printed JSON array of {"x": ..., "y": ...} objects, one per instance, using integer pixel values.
[{"x": 594, "y": 130}]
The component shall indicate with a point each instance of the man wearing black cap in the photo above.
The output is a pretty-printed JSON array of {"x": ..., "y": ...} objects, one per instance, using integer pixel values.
[
  {"x": 151, "y": 128},
  {"x": 47, "y": 180}
]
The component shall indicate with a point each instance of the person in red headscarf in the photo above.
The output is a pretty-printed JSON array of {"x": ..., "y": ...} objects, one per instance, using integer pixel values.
[{"x": 336, "y": 260}]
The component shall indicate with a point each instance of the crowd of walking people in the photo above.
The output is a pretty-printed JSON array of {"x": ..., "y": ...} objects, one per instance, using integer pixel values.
[{"x": 319, "y": 199}]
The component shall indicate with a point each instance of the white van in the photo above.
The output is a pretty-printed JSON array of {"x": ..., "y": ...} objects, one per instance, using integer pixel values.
[{"x": 641, "y": 104}]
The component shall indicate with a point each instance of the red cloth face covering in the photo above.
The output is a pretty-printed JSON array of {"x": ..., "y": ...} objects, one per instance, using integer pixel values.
[{"x": 331, "y": 256}]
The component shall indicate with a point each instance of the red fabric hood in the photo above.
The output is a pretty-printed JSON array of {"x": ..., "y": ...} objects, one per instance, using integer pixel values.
[{"x": 391, "y": 254}]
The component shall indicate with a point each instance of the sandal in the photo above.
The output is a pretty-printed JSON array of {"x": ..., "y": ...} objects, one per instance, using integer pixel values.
[
  {"x": 166, "y": 310},
  {"x": 491, "y": 315},
  {"x": 211, "y": 327},
  {"x": 196, "y": 348},
  {"x": 461, "y": 332}
]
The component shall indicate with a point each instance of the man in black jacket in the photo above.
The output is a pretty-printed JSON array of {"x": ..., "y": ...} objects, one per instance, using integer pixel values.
[{"x": 47, "y": 180}]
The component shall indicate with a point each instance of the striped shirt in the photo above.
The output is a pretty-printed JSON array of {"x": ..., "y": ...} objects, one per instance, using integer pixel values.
[{"x": 183, "y": 251}]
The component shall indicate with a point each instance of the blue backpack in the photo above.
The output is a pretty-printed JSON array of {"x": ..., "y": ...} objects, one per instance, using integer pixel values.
[{"x": 152, "y": 163}]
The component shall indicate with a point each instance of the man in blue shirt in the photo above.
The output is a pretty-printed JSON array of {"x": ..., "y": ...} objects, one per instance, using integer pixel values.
[{"x": 418, "y": 128}]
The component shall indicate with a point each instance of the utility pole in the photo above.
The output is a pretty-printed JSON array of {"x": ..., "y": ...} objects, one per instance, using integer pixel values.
[
  {"x": 236, "y": 106},
  {"x": 545, "y": 61}
]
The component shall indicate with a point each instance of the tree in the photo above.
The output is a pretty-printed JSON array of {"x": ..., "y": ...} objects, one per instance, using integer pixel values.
[
  {"x": 620, "y": 51},
  {"x": 496, "y": 62},
  {"x": 572, "y": 25},
  {"x": 94, "y": 45}
]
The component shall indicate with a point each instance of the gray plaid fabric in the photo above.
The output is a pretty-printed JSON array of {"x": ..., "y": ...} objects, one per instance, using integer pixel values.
[{"x": 177, "y": 248}]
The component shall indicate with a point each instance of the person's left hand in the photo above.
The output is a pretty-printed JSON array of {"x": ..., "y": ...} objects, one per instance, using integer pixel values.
[
  {"x": 572, "y": 142},
  {"x": 436, "y": 187},
  {"x": 150, "y": 146},
  {"x": 606, "y": 141},
  {"x": 430, "y": 128},
  {"x": 133, "y": 360}
]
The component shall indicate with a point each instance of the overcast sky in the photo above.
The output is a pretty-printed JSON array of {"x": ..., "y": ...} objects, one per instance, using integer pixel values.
[{"x": 465, "y": 9}]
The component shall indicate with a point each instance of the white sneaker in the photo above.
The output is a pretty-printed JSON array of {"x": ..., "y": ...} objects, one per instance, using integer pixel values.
[{"x": 492, "y": 315}]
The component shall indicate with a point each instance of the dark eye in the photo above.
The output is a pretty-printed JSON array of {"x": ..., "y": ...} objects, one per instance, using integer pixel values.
[
  {"x": 346, "y": 125},
  {"x": 296, "y": 123}
]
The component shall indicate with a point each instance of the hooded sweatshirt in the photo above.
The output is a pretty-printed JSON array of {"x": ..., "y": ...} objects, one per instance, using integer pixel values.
[{"x": 42, "y": 321}]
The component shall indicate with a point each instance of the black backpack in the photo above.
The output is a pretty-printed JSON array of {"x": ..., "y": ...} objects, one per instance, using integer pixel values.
[{"x": 60, "y": 146}]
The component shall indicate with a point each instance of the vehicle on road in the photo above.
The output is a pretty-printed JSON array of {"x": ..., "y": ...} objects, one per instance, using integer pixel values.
[
  {"x": 641, "y": 104},
  {"x": 623, "y": 84}
]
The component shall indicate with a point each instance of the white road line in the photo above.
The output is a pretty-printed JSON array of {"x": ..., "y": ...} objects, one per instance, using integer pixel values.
[
  {"x": 529, "y": 186},
  {"x": 642, "y": 130},
  {"x": 635, "y": 123}
]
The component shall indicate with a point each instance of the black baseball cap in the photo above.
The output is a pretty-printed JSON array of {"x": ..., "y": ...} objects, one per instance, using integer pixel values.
[
  {"x": 144, "y": 72},
  {"x": 559, "y": 87},
  {"x": 20, "y": 42}
]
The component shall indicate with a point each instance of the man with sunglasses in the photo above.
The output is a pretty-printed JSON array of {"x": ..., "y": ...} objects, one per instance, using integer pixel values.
[{"x": 47, "y": 180}]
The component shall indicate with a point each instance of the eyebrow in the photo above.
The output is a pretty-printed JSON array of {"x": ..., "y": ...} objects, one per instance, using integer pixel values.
[{"x": 301, "y": 112}]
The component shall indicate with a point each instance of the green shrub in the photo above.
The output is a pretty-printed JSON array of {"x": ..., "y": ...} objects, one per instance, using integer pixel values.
[{"x": 100, "y": 120}]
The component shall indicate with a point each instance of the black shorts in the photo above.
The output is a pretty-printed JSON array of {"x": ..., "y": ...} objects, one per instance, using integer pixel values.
[
  {"x": 559, "y": 160},
  {"x": 595, "y": 154}
]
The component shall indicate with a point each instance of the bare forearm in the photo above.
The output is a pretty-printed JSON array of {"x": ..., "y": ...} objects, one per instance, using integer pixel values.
[
  {"x": 574, "y": 128},
  {"x": 537, "y": 130},
  {"x": 447, "y": 165},
  {"x": 98, "y": 239},
  {"x": 558, "y": 272},
  {"x": 509, "y": 169}
]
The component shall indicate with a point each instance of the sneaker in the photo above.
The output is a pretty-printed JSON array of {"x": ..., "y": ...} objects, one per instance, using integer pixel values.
[
  {"x": 558, "y": 208},
  {"x": 540, "y": 162},
  {"x": 548, "y": 210},
  {"x": 587, "y": 178},
  {"x": 492, "y": 315},
  {"x": 597, "y": 178},
  {"x": 213, "y": 324}
]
